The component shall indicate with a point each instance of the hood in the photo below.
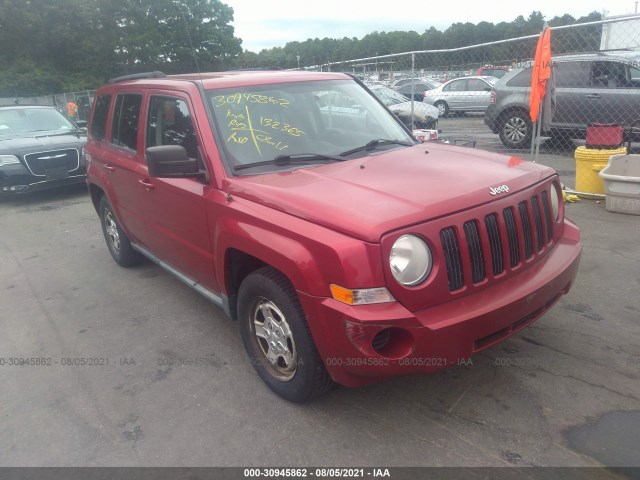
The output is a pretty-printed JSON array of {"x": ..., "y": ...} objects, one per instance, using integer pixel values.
[
  {"x": 30, "y": 143},
  {"x": 370, "y": 196}
]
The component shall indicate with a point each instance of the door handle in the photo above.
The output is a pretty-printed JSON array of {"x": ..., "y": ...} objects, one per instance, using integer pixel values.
[
  {"x": 146, "y": 184},
  {"x": 110, "y": 168},
  {"x": 593, "y": 95}
]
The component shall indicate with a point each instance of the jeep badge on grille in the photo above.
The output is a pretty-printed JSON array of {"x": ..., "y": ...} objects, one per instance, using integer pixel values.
[{"x": 500, "y": 189}]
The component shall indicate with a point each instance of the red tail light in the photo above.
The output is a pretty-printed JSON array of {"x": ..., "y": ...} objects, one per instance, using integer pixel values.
[{"x": 492, "y": 98}]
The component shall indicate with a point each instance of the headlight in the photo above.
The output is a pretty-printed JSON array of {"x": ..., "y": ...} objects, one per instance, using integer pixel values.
[
  {"x": 410, "y": 260},
  {"x": 555, "y": 200},
  {"x": 8, "y": 160}
]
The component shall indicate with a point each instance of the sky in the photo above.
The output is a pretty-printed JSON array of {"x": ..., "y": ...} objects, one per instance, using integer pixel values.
[{"x": 273, "y": 23}]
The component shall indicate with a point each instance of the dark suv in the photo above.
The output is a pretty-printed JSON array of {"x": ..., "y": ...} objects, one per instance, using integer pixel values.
[
  {"x": 346, "y": 250},
  {"x": 599, "y": 87}
]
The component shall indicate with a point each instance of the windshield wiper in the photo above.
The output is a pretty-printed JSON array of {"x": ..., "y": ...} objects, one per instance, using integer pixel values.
[
  {"x": 56, "y": 134},
  {"x": 374, "y": 143},
  {"x": 291, "y": 159}
]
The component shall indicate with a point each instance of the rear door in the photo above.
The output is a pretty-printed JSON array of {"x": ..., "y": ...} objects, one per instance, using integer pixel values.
[
  {"x": 122, "y": 163},
  {"x": 456, "y": 94},
  {"x": 479, "y": 94},
  {"x": 576, "y": 102}
]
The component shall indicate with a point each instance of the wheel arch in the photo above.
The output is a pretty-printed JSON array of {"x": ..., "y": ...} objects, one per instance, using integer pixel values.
[{"x": 96, "y": 194}]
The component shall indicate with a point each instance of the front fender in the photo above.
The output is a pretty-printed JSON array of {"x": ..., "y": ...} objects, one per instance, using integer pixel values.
[{"x": 309, "y": 255}]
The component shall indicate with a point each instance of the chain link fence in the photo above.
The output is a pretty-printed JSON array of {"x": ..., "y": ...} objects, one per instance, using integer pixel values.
[
  {"x": 83, "y": 100},
  {"x": 482, "y": 93}
]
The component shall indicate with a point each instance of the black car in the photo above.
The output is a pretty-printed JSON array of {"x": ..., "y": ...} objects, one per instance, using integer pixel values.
[{"x": 39, "y": 148}]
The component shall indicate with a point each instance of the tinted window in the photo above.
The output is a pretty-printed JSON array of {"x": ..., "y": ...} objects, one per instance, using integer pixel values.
[
  {"x": 99, "y": 121},
  {"x": 169, "y": 123},
  {"x": 124, "y": 131},
  {"x": 573, "y": 74},
  {"x": 609, "y": 75},
  {"x": 522, "y": 79}
]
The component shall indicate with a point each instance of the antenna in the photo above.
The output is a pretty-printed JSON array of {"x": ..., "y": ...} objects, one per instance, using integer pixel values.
[{"x": 193, "y": 50}]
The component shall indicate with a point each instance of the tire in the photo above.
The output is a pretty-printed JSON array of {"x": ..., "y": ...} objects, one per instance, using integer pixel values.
[
  {"x": 277, "y": 338},
  {"x": 516, "y": 129},
  {"x": 117, "y": 241},
  {"x": 442, "y": 107}
]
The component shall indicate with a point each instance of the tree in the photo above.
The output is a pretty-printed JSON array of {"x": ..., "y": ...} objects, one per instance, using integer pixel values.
[{"x": 71, "y": 45}]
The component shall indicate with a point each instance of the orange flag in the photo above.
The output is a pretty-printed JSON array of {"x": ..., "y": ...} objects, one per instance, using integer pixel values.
[{"x": 540, "y": 73}]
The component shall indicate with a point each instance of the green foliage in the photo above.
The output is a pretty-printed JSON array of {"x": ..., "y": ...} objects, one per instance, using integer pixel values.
[{"x": 69, "y": 45}]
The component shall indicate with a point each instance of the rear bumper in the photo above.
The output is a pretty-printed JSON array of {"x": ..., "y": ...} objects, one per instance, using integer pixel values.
[
  {"x": 445, "y": 335},
  {"x": 491, "y": 118}
]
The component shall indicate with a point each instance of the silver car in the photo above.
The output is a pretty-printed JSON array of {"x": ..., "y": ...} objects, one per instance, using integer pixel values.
[{"x": 467, "y": 94}]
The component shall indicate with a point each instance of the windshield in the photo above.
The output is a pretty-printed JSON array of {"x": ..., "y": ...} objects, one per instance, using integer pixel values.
[
  {"x": 309, "y": 119},
  {"x": 27, "y": 120}
]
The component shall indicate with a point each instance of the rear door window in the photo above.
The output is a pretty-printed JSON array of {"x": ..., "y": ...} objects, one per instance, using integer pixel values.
[
  {"x": 456, "y": 86},
  {"x": 126, "y": 116}
]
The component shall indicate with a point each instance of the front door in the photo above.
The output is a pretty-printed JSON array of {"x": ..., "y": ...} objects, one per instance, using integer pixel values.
[{"x": 174, "y": 209}]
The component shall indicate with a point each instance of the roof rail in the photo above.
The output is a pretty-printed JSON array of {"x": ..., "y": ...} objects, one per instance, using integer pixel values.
[{"x": 137, "y": 76}]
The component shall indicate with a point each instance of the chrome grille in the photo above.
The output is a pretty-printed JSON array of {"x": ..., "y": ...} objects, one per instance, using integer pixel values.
[{"x": 53, "y": 163}]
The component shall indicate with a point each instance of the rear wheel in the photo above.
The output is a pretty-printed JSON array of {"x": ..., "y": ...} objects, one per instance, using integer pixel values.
[
  {"x": 442, "y": 107},
  {"x": 516, "y": 129},
  {"x": 277, "y": 338},
  {"x": 117, "y": 241}
]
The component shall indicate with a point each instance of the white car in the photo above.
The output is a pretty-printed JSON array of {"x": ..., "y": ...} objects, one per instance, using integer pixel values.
[{"x": 425, "y": 116}]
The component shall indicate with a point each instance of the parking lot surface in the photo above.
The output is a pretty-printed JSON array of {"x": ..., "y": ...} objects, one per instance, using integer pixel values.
[{"x": 130, "y": 367}]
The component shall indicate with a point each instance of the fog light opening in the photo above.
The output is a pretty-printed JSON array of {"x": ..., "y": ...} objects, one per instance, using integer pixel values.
[{"x": 392, "y": 343}]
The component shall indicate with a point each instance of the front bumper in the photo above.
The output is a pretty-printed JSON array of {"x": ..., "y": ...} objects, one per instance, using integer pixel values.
[
  {"x": 438, "y": 337},
  {"x": 16, "y": 179}
]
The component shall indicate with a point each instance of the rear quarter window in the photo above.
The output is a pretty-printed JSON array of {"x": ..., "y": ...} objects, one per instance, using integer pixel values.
[
  {"x": 99, "y": 120},
  {"x": 522, "y": 79}
]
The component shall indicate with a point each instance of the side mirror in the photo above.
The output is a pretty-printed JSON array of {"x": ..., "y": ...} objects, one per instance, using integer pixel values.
[
  {"x": 81, "y": 124},
  {"x": 172, "y": 161}
]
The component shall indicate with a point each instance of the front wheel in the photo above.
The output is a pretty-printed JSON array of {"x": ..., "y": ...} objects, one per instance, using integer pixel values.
[
  {"x": 277, "y": 338},
  {"x": 516, "y": 130}
]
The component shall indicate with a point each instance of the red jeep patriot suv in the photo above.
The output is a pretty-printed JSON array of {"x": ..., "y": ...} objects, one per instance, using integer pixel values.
[{"x": 347, "y": 250}]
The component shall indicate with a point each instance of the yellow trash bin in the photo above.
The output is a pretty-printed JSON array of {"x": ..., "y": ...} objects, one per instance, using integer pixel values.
[{"x": 589, "y": 162}]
